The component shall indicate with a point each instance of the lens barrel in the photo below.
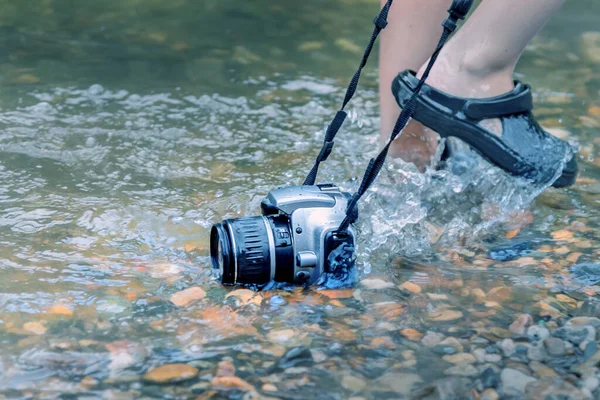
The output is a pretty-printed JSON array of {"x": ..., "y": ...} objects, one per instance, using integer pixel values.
[{"x": 247, "y": 249}]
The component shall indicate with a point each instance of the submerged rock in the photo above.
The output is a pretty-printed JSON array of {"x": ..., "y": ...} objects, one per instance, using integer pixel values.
[
  {"x": 586, "y": 274},
  {"x": 514, "y": 381},
  {"x": 171, "y": 373},
  {"x": 510, "y": 252}
]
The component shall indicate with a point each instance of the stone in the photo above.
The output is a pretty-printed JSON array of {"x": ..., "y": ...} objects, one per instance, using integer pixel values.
[
  {"x": 451, "y": 388},
  {"x": 555, "y": 346},
  {"x": 185, "y": 297},
  {"x": 225, "y": 368},
  {"x": 231, "y": 382},
  {"x": 479, "y": 355},
  {"x": 460, "y": 358},
  {"x": 296, "y": 357},
  {"x": 411, "y": 287},
  {"x": 445, "y": 315},
  {"x": 171, "y": 373},
  {"x": 537, "y": 352},
  {"x": 537, "y": 332},
  {"x": 400, "y": 382},
  {"x": 514, "y": 381},
  {"x": 508, "y": 347},
  {"x": 520, "y": 325},
  {"x": 88, "y": 382},
  {"x": 590, "y": 46},
  {"x": 499, "y": 294},
  {"x": 584, "y": 321},
  {"x": 492, "y": 358},
  {"x": 462, "y": 370},
  {"x": 376, "y": 284},
  {"x": 62, "y": 310},
  {"x": 432, "y": 339},
  {"x": 35, "y": 327},
  {"x": 281, "y": 336},
  {"x": 541, "y": 370},
  {"x": 411, "y": 334},
  {"x": 553, "y": 388},
  {"x": 199, "y": 387},
  {"x": 245, "y": 297},
  {"x": 489, "y": 394},
  {"x": 489, "y": 378},
  {"x": 452, "y": 342},
  {"x": 444, "y": 350},
  {"x": 353, "y": 383},
  {"x": 590, "y": 349},
  {"x": 591, "y": 383}
]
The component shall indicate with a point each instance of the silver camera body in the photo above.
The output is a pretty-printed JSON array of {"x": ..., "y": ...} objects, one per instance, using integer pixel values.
[
  {"x": 295, "y": 240},
  {"x": 314, "y": 212}
]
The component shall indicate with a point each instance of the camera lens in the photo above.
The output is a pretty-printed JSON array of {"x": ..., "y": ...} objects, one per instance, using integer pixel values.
[{"x": 243, "y": 249}]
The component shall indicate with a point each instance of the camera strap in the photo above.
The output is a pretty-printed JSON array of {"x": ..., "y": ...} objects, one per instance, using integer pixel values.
[{"x": 458, "y": 10}]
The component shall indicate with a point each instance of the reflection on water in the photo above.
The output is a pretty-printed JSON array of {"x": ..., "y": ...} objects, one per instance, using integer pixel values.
[{"x": 129, "y": 127}]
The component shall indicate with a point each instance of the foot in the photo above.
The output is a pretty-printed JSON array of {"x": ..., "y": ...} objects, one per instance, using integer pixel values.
[{"x": 417, "y": 143}]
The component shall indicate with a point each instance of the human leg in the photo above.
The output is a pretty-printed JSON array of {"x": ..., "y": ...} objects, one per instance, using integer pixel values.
[{"x": 406, "y": 43}]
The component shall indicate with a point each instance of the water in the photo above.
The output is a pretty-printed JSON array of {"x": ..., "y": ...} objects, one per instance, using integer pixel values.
[{"x": 128, "y": 129}]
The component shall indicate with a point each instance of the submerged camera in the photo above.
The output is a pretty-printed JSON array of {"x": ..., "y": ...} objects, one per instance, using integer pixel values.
[{"x": 296, "y": 239}]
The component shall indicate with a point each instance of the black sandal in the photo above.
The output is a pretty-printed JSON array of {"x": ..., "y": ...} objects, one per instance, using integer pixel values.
[{"x": 523, "y": 149}]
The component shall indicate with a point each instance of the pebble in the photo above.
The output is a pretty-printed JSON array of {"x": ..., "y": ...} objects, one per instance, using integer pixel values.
[
  {"x": 489, "y": 378},
  {"x": 479, "y": 355},
  {"x": 171, "y": 373},
  {"x": 231, "y": 382},
  {"x": 185, "y": 297},
  {"x": 452, "y": 342},
  {"x": 462, "y": 370},
  {"x": 584, "y": 321},
  {"x": 508, "y": 347},
  {"x": 353, "y": 383},
  {"x": 411, "y": 334},
  {"x": 400, "y": 382},
  {"x": 537, "y": 332},
  {"x": 590, "y": 349},
  {"x": 225, "y": 368},
  {"x": 514, "y": 381},
  {"x": 493, "y": 358},
  {"x": 541, "y": 370},
  {"x": 444, "y": 350},
  {"x": 520, "y": 325},
  {"x": 445, "y": 315},
  {"x": 281, "y": 336},
  {"x": 591, "y": 383},
  {"x": 537, "y": 352},
  {"x": 489, "y": 394},
  {"x": 460, "y": 358},
  {"x": 555, "y": 346},
  {"x": 411, "y": 287},
  {"x": 432, "y": 339},
  {"x": 499, "y": 294},
  {"x": 553, "y": 388}
]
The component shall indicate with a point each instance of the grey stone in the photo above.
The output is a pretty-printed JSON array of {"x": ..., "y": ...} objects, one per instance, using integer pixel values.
[
  {"x": 537, "y": 332},
  {"x": 590, "y": 349},
  {"x": 555, "y": 346},
  {"x": 508, "y": 347},
  {"x": 489, "y": 378},
  {"x": 553, "y": 388},
  {"x": 432, "y": 339},
  {"x": 492, "y": 358},
  {"x": 462, "y": 370},
  {"x": 400, "y": 382},
  {"x": 591, "y": 383},
  {"x": 584, "y": 321},
  {"x": 514, "y": 382},
  {"x": 479, "y": 355},
  {"x": 445, "y": 389},
  {"x": 537, "y": 352}
]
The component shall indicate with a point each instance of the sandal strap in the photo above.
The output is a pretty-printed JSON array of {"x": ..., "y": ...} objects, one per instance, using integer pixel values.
[
  {"x": 499, "y": 106},
  {"x": 518, "y": 100}
]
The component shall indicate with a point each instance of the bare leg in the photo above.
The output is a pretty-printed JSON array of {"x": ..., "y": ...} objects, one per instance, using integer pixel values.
[{"x": 406, "y": 43}]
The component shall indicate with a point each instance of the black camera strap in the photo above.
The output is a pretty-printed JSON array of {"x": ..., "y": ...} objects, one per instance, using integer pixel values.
[{"x": 458, "y": 10}]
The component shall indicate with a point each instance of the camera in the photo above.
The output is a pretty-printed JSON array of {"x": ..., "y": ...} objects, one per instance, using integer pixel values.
[{"x": 295, "y": 240}]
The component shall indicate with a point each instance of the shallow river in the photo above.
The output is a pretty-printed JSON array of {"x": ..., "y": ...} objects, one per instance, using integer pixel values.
[{"x": 127, "y": 128}]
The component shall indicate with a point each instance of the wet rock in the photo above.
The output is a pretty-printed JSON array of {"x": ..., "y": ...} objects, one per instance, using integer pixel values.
[
  {"x": 200, "y": 387},
  {"x": 575, "y": 334},
  {"x": 452, "y": 342},
  {"x": 489, "y": 394},
  {"x": 479, "y": 355},
  {"x": 553, "y": 388},
  {"x": 510, "y": 252},
  {"x": 444, "y": 389},
  {"x": 444, "y": 350},
  {"x": 590, "y": 349},
  {"x": 584, "y": 321},
  {"x": 34, "y": 327},
  {"x": 537, "y": 333},
  {"x": 281, "y": 336},
  {"x": 411, "y": 334},
  {"x": 185, "y": 297},
  {"x": 520, "y": 325},
  {"x": 411, "y": 287},
  {"x": 171, "y": 373},
  {"x": 460, "y": 358},
  {"x": 445, "y": 315},
  {"x": 508, "y": 347},
  {"x": 269, "y": 387},
  {"x": 353, "y": 383},
  {"x": 499, "y": 294},
  {"x": 88, "y": 382},
  {"x": 245, "y": 297},
  {"x": 61, "y": 310},
  {"x": 555, "y": 346},
  {"x": 537, "y": 352},
  {"x": 231, "y": 383},
  {"x": 541, "y": 370},
  {"x": 591, "y": 383},
  {"x": 489, "y": 378},
  {"x": 400, "y": 382},
  {"x": 296, "y": 357},
  {"x": 432, "y": 339},
  {"x": 514, "y": 381},
  {"x": 462, "y": 370},
  {"x": 225, "y": 368},
  {"x": 586, "y": 274},
  {"x": 590, "y": 46},
  {"x": 492, "y": 358}
]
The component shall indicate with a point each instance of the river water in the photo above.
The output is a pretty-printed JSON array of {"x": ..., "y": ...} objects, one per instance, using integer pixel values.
[{"x": 127, "y": 128}]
